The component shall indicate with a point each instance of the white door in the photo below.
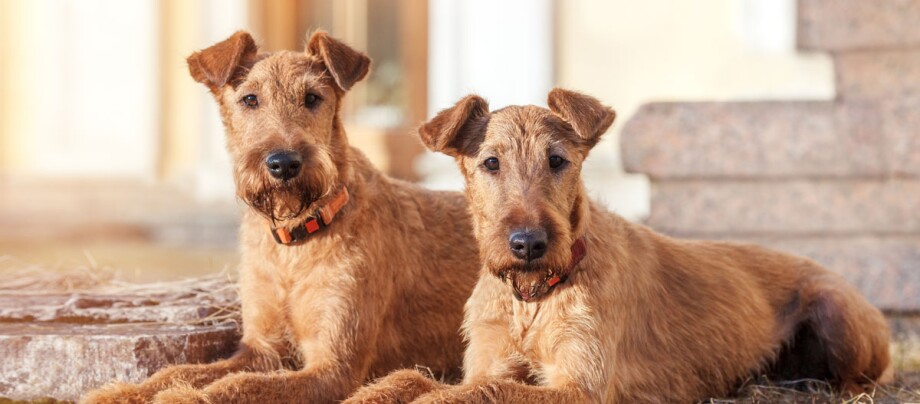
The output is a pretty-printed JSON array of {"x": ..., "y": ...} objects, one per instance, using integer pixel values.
[{"x": 213, "y": 177}]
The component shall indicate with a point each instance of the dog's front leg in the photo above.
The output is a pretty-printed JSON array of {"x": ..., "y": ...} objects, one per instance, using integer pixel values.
[
  {"x": 504, "y": 391},
  {"x": 335, "y": 323},
  {"x": 259, "y": 349},
  {"x": 196, "y": 375},
  {"x": 401, "y": 386},
  {"x": 312, "y": 385},
  {"x": 322, "y": 382}
]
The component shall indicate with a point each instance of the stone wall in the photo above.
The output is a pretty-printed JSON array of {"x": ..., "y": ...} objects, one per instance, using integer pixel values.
[{"x": 837, "y": 180}]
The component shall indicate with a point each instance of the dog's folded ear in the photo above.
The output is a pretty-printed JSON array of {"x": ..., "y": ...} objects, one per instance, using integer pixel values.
[
  {"x": 346, "y": 65},
  {"x": 587, "y": 115},
  {"x": 455, "y": 130},
  {"x": 225, "y": 62}
]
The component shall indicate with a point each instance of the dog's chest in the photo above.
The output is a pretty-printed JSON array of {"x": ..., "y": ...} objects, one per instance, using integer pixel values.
[{"x": 531, "y": 331}]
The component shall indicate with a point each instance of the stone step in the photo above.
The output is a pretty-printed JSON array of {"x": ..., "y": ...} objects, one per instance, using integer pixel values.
[
  {"x": 794, "y": 139},
  {"x": 793, "y": 207},
  {"x": 844, "y": 25},
  {"x": 61, "y": 344},
  {"x": 885, "y": 269},
  {"x": 878, "y": 74},
  {"x": 64, "y": 361}
]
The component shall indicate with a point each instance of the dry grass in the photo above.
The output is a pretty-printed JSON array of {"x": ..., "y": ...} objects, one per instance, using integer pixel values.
[
  {"x": 905, "y": 390},
  {"x": 216, "y": 294},
  {"x": 19, "y": 276},
  {"x": 129, "y": 260}
]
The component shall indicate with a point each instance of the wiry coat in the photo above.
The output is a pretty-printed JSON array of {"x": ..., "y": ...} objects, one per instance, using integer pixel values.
[
  {"x": 643, "y": 317},
  {"x": 381, "y": 288}
]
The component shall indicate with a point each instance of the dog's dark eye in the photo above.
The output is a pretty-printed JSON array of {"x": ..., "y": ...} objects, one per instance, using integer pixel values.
[
  {"x": 311, "y": 100},
  {"x": 250, "y": 101},
  {"x": 491, "y": 164},
  {"x": 556, "y": 162}
]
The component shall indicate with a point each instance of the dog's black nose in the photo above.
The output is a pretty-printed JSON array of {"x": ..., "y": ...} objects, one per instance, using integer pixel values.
[
  {"x": 528, "y": 245},
  {"x": 283, "y": 165}
]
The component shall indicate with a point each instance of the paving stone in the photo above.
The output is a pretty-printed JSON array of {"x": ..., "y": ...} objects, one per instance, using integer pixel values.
[
  {"x": 842, "y": 25},
  {"x": 793, "y": 207}
]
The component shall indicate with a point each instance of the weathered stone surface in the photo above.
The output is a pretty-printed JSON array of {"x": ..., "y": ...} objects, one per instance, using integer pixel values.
[
  {"x": 878, "y": 74},
  {"x": 901, "y": 127},
  {"x": 174, "y": 302},
  {"x": 794, "y": 207},
  {"x": 754, "y": 139},
  {"x": 885, "y": 269},
  {"x": 61, "y": 344},
  {"x": 774, "y": 140},
  {"x": 841, "y": 25},
  {"x": 64, "y": 361}
]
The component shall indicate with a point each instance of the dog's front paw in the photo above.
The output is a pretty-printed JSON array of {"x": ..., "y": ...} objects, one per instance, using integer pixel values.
[
  {"x": 495, "y": 391},
  {"x": 438, "y": 397},
  {"x": 181, "y": 394},
  {"x": 398, "y": 387},
  {"x": 119, "y": 393}
]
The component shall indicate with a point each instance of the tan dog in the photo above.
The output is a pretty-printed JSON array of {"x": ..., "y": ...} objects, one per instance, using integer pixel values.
[
  {"x": 576, "y": 304},
  {"x": 346, "y": 274}
]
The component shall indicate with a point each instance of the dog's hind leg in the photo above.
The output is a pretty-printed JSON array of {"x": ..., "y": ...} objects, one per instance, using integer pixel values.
[{"x": 836, "y": 336}]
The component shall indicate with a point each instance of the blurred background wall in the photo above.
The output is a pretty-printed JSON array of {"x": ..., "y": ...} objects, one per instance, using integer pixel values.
[{"x": 111, "y": 155}]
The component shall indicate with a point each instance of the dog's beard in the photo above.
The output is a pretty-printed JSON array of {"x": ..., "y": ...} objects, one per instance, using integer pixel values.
[
  {"x": 528, "y": 281},
  {"x": 280, "y": 201}
]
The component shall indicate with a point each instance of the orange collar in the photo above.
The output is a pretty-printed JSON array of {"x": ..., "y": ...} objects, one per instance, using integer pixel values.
[
  {"x": 579, "y": 250},
  {"x": 321, "y": 218}
]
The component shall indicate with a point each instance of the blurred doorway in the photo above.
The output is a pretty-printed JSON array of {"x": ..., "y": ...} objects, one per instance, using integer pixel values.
[
  {"x": 111, "y": 154},
  {"x": 85, "y": 81}
]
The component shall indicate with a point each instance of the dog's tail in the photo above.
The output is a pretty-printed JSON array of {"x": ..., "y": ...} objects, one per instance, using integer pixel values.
[{"x": 853, "y": 333}]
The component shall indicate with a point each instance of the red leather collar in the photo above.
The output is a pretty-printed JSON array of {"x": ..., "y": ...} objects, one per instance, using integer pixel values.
[
  {"x": 579, "y": 250},
  {"x": 320, "y": 218}
]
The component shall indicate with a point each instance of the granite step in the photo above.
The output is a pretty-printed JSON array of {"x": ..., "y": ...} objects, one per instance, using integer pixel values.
[
  {"x": 774, "y": 140},
  {"x": 845, "y": 25},
  {"x": 787, "y": 207},
  {"x": 63, "y": 343}
]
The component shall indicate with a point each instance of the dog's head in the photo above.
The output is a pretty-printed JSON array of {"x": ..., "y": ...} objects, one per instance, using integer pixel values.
[
  {"x": 522, "y": 166},
  {"x": 281, "y": 115}
]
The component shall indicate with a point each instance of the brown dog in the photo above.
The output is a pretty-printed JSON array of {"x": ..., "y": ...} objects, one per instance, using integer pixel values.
[
  {"x": 577, "y": 304},
  {"x": 346, "y": 274}
]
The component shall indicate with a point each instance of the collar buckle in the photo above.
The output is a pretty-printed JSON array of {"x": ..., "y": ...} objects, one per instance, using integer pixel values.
[{"x": 320, "y": 219}]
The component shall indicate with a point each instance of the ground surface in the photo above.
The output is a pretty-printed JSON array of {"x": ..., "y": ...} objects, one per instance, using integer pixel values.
[
  {"x": 906, "y": 390},
  {"x": 905, "y": 348}
]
